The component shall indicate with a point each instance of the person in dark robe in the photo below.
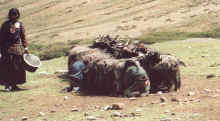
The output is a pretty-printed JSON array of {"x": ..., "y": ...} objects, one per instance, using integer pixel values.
[{"x": 12, "y": 45}]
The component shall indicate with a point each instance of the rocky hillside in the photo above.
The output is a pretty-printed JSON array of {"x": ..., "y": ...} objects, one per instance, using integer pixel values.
[{"x": 68, "y": 20}]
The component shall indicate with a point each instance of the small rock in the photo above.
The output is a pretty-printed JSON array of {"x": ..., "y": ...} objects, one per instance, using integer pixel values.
[
  {"x": 61, "y": 72},
  {"x": 207, "y": 90},
  {"x": 191, "y": 93},
  {"x": 11, "y": 119},
  {"x": 144, "y": 94},
  {"x": 132, "y": 98},
  {"x": 163, "y": 99},
  {"x": 97, "y": 107},
  {"x": 107, "y": 107},
  {"x": 91, "y": 118},
  {"x": 210, "y": 76},
  {"x": 135, "y": 94},
  {"x": 86, "y": 114},
  {"x": 154, "y": 102},
  {"x": 197, "y": 100},
  {"x": 139, "y": 110},
  {"x": 159, "y": 92},
  {"x": 165, "y": 120},
  {"x": 117, "y": 106},
  {"x": 53, "y": 111},
  {"x": 42, "y": 114},
  {"x": 116, "y": 114},
  {"x": 173, "y": 114},
  {"x": 174, "y": 99},
  {"x": 58, "y": 105},
  {"x": 216, "y": 95},
  {"x": 166, "y": 111},
  {"x": 24, "y": 118},
  {"x": 43, "y": 73},
  {"x": 66, "y": 98},
  {"x": 75, "y": 110},
  {"x": 162, "y": 104}
]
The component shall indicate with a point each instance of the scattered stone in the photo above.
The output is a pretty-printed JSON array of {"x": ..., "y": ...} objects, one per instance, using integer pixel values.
[
  {"x": 173, "y": 114},
  {"x": 42, "y": 114},
  {"x": 163, "y": 99},
  {"x": 11, "y": 119},
  {"x": 166, "y": 111},
  {"x": 207, "y": 90},
  {"x": 135, "y": 94},
  {"x": 159, "y": 92},
  {"x": 91, "y": 118},
  {"x": 53, "y": 111},
  {"x": 217, "y": 90},
  {"x": 154, "y": 102},
  {"x": 165, "y": 120},
  {"x": 66, "y": 98},
  {"x": 75, "y": 110},
  {"x": 144, "y": 94},
  {"x": 139, "y": 110},
  {"x": 24, "y": 118},
  {"x": 43, "y": 73},
  {"x": 86, "y": 114},
  {"x": 162, "y": 104},
  {"x": 132, "y": 98},
  {"x": 116, "y": 114},
  {"x": 117, "y": 106},
  {"x": 60, "y": 72},
  {"x": 197, "y": 100},
  {"x": 174, "y": 99},
  {"x": 210, "y": 76},
  {"x": 58, "y": 105},
  {"x": 216, "y": 95},
  {"x": 191, "y": 93},
  {"x": 107, "y": 107}
]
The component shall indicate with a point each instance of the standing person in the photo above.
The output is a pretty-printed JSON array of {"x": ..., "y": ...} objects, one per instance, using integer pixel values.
[{"x": 13, "y": 46}]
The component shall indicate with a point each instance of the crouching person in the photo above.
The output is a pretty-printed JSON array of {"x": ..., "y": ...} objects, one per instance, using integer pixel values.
[
  {"x": 76, "y": 74},
  {"x": 135, "y": 80}
]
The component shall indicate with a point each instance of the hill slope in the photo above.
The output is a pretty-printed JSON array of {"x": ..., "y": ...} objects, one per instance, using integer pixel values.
[{"x": 63, "y": 20}]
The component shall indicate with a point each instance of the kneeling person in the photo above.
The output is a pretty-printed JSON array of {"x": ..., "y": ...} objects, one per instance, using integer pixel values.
[{"x": 75, "y": 74}]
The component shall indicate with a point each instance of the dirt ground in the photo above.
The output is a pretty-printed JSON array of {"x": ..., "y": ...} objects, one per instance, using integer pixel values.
[
  {"x": 198, "y": 97},
  {"x": 50, "y": 21}
]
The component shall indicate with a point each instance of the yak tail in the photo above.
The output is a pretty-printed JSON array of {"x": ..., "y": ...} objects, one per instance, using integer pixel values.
[{"x": 178, "y": 81}]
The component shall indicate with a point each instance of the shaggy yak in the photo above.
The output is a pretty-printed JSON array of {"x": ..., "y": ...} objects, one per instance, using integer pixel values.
[
  {"x": 99, "y": 72},
  {"x": 163, "y": 71}
]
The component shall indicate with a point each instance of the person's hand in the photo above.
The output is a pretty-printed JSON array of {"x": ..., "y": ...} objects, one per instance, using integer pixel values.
[{"x": 26, "y": 51}]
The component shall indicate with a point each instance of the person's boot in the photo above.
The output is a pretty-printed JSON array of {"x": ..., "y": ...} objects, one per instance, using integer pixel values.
[
  {"x": 14, "y": 87},
  {"x": 7, "y": 88}
]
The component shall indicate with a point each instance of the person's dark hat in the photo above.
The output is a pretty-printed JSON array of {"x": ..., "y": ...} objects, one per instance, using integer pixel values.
[{"x": 14, "y": 11}]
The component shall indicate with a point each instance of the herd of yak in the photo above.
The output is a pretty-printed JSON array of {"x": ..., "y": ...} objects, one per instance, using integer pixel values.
[{"x": 106, "y": 62}]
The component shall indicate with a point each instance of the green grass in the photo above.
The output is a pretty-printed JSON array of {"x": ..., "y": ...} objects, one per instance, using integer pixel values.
[
  {"x": 43, "y": 88},
  {"x": 55, "y": 50},
  {"x": 156, "y": 37},
  {"x": 198, "y": 56}
]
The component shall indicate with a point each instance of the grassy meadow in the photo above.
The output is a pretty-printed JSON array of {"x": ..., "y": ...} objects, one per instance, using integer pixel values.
[{"x": 43, "y": 88}]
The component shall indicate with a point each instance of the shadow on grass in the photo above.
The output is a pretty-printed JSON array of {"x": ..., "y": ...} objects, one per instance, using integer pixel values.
[{"x": 92, "y": 92}]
